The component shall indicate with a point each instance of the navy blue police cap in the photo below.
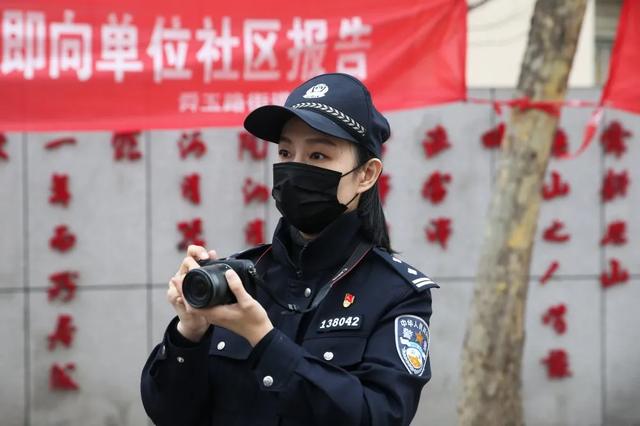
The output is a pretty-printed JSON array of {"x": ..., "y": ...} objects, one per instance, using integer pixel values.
[{"x": 336, "y": 104}]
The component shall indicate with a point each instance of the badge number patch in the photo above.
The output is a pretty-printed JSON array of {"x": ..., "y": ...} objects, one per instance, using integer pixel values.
[
  {"x": 412, "y": 342},
  {"x": 350, "y": 322}
]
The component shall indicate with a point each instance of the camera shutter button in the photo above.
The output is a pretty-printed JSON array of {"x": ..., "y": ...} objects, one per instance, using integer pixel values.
[{"x": 221, "y": 345}]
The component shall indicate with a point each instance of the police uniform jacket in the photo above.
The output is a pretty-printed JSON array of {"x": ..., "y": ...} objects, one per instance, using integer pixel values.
[{"x": 360, "y": 358}]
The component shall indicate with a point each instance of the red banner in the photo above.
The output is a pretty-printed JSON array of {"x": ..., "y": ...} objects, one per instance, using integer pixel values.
[
  {"x": 622, "y": 89},
  {"x": 115, "y": 65}
]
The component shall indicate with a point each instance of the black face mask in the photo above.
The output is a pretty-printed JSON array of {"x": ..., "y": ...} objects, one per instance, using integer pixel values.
[{"x": 307, "y": 196}]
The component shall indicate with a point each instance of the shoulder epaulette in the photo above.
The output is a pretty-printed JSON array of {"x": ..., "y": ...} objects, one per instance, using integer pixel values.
[
  {"x": 418, "y": 280},
  {"x": 252, "y": 253}
]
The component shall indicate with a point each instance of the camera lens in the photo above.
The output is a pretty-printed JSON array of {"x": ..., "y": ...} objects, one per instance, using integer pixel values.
[{"x": 206, "y": 287}]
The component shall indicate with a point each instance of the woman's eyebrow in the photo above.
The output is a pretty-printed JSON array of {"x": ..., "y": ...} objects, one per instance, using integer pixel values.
[{"x": 321, "y": 140}]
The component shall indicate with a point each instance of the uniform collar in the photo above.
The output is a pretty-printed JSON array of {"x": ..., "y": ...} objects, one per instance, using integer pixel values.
[{"x": 331, "y": 248}]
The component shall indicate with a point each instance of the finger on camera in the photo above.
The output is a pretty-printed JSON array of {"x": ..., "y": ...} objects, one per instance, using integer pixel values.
[
  {"x": 197, "y": 252},
  {"x": 236, "y": 287},
  {"x": 188, "y": 263}
]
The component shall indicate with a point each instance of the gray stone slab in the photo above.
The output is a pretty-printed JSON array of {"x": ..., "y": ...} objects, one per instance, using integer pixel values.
[
  {"x": 161, "y": 314},
  {"x": 11, "y": 213},
  {"x": 109, "y": 350},
  {"x": 222, "y": 210},
  {"x": 468, "y": 163},
  {"x": 448, "y": 325},
  {"x": 624, "y": 208},
  {"x": 622, "y": 352},
  {"x": 106, "y": 212},
  {"x": 12, "y": 358},
  {"x": 580, "y": 209},
  {"x": 576, "y": 400}
]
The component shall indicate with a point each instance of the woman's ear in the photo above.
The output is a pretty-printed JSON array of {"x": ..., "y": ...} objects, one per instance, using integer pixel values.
[{"x": 370, "y": 172}]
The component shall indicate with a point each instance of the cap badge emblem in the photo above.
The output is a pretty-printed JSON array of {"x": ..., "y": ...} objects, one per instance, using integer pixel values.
[{"x": 317, "y": 91}]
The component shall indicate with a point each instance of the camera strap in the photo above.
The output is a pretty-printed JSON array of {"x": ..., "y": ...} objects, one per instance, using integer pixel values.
[{"x": 356, "y": 257}]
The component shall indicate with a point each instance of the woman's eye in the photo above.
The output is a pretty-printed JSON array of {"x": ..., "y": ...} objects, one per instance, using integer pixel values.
[
  {"x": 283, "y": 153},
  {"x": 318, "y": 156}
]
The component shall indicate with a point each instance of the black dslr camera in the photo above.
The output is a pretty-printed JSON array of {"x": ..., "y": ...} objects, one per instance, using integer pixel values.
[{"x": 206, "y": 287}]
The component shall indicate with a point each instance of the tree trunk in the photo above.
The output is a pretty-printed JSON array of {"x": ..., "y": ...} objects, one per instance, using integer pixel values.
[{"x": 492, "y": 354}]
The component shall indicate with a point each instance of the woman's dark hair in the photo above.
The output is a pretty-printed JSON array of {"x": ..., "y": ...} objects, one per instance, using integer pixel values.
[{"x": 370, "y": 210}]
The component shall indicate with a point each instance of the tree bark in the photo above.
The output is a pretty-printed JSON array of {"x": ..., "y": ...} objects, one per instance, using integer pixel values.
[{"x": 492, "y": 354}]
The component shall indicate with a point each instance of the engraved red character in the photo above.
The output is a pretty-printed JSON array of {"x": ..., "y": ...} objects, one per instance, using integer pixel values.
[
  {"x": 556, "y": 188},
  {"x": 439, "y": 231},
  {"x": 62, "y": 283},
  {"x": 555, "y": 317},
  {"x": 252, "y": 190},
  {"x": 614, "y": 185},
  {"x": 191, "y": 233},
  {"x": 62, "y": 240},
  {"x": 551, "y": 270},
  {"x": 63, "y": 333},
  {"x": 59, "y": 377},
  {"x": 616, "y": 234},
  {"x": 613, "y": 139},
  {"x": 191, "y": 188},
  {"x": 434, "y": 188},
  {"x": 57, "y": 143},
  {"x": 492, "y": 139},
  {"x": 557, "y": 362},
  {"x": 384, "y": 186},
  {"x": 191, "y": 144},
  {"x": 3, "y": 142},
  {"x": 60, "y": 189},
  {"x": 436, "y": 141},
  {"x": 560, "y": 145},
  {"x": 553, "y": 235},
  {"x": 254, "y": 232},
  {"x": 617, "y": 274},
  {"x": 125, "y": 146},
  {"x": 256, "y": 148}
]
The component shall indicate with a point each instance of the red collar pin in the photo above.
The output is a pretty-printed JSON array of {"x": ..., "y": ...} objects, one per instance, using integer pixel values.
[{"x": 348, "y": 300}]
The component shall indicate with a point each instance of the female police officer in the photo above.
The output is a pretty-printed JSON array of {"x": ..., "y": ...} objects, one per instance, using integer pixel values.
[{"x": 352, "y": 347}]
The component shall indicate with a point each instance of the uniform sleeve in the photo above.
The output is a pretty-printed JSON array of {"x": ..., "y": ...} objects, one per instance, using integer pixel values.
[
  {"x": 174, "y": 383},
  {"x": 380, "y": 391}
]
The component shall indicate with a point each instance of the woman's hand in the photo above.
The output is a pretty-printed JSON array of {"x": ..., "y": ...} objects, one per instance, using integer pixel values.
[
  {"x": 246, "y": 317},
  {"x": 193, "y": 324}
]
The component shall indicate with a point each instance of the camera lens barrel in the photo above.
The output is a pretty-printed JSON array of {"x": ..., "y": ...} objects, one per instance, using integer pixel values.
[{"x": 207, "y": 286}]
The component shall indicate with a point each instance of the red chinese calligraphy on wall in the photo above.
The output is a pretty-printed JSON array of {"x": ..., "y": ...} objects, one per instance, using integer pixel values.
[
  {"x": 191, "y": 144},
  {"x": 60, "y": 142},
  {"x": 63, "y": 239},
  {"x": 3, "y": 142},
  {"x": 553, "y": 233},
  {"x": 557, "y": 363},
  {"x": 125, "y": 146},
  {"x": 556, "y": 188},
  {"x": 254, "y": 191},
  {"x": 616, "y": 233},
  {"x": 191, "y": 233},
  {"x": 60, "y": 189},
  {"x": 434, "y": 188},
  {"x": 560, "y": 144},
  {"x": 551, "y": 270},
  {"x": 439, "y": 231},
  {"x": 384, "y": 186},
  {"x": 616, "y": 275},
  {"x": 614, "y": 185},
  {"x": 254, "y": 232},
  {"x": 62, "y": 284},
  {"x": 492, "y": 139},
  {"x": 613, "y": 139},
  {"x": 59, "y": 378},
  {"x": 554, "y": 316},
  {"x": 435, "y": 142},
  {"x": 63, "y": 333},
  {"x": 256, "y": 148},
  {"x": 191, "y": 188}
]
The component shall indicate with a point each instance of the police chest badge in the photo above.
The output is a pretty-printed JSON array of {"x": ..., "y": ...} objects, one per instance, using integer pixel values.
[{"x": 412, "y": 342}]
